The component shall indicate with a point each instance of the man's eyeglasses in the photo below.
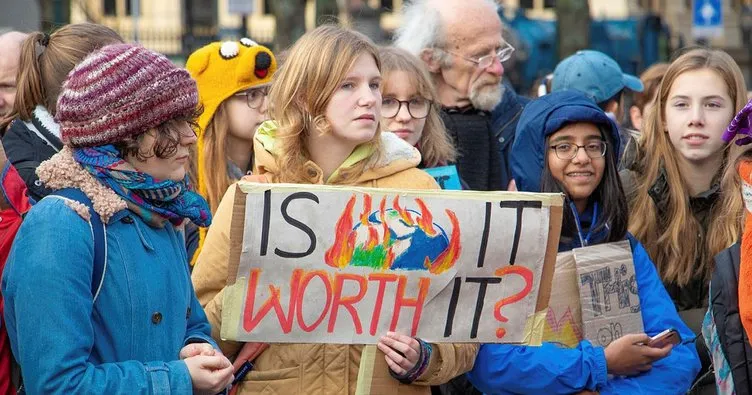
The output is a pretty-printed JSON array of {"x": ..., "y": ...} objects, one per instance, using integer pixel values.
[
  {"x": 503, "y": 54},
  {"x": 568, "y": 151},
  {"x": 417, "y": 107},
  {"x": 254, "y": 97}
]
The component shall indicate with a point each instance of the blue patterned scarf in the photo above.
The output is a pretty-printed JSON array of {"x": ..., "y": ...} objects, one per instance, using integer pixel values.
[{"x": 153, "y": 200}]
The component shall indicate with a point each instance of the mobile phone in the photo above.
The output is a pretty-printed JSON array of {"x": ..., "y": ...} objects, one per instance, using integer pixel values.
[{"x": 669, "y": 336}]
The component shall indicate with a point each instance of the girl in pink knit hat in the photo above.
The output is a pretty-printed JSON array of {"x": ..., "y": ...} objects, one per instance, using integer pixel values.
[{"x": 97, "y": 292}]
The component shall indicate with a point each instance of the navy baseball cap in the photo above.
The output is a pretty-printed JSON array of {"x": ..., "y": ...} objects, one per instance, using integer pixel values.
[{"x": 595, "y": 74}]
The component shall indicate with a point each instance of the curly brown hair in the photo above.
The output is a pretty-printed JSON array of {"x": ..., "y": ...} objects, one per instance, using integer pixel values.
[{"x": 166, "y": 139}]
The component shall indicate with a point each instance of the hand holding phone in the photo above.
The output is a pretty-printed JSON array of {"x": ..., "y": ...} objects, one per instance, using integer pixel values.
[{"x": 669, "y": 336}]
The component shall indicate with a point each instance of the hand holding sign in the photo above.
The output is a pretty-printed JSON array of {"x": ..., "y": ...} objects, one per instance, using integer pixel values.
[{"x": 401, "y": 352}]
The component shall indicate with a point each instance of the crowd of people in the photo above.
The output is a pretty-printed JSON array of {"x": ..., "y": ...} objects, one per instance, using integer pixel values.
[{"x": 117, "y": 196}]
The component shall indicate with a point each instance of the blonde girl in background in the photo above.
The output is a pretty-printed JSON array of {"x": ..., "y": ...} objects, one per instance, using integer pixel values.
[{"x": 408, "y": 107}]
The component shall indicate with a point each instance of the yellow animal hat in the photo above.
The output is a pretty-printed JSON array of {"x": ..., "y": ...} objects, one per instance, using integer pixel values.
[{"x": 222, "y": 69}]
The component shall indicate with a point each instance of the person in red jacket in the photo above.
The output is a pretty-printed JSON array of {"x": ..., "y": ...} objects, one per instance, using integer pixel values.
[{"x": 13, "y": 206}]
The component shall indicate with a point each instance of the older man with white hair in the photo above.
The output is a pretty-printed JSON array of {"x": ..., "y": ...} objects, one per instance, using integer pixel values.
[
  {"x": 461, "y": 44},
  {"x": 10, "y": 50}
]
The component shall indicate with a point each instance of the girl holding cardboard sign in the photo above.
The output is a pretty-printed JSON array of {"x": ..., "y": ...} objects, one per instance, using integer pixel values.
[
  {"x": 566, "y": 144},
  {"x": 326, "y": 106}
]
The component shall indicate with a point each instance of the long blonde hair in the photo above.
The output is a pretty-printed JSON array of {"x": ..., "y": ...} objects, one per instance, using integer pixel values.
[
  {"x": 301, "y": 91},
  {"x": 670, "y": 242},
  {"x": 435, "y": 145},
  {"x": 216, "y": 180}
]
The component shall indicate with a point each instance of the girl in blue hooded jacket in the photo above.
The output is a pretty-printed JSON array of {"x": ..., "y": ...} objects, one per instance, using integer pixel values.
[{"x": 566, "y": 144}]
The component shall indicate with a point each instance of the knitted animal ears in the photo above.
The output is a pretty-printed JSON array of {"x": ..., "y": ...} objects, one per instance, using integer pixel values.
[
  {"x": 740, "y": 126},
  {"x": 245, "y": 61}
]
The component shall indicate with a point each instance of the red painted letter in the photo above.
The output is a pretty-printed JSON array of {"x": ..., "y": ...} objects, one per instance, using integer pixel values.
[
  {"x": 301, "y": 295},
  {"x": 382, "y": 279},
  {"x": 347, "y": 301},
  {"x": 250, "y": 322},
  {"x": 526, "y": 275},
  {"x": 400, "y": 301}
]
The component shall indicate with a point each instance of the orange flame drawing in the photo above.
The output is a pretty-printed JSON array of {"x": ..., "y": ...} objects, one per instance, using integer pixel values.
[
  {"x": 366, "y": 210},
  {"x": 446, "y": 259},
  {"x": 384, "y": 225},
  {"x": 425, "y": 221},
  {"x": 340, "y": 254},
  {"x": 404, "y": 214}
]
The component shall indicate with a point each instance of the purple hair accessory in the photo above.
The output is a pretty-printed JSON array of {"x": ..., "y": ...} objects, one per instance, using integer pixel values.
[{"x": 740, "y": 125}]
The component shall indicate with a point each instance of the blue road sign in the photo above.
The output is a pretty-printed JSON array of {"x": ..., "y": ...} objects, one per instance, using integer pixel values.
[{"x": 707, "y": 18}]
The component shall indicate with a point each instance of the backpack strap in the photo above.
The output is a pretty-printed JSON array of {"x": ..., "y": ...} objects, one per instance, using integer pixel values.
[{"x": 99, "y": 232}]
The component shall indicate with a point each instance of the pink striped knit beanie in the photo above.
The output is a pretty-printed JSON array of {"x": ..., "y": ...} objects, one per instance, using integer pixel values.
[{"x": 119, "y": 91}]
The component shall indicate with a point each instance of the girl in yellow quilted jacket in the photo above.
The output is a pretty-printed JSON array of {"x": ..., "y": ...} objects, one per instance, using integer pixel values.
[
  {"x": 233, "y": 80},
  {"x": 326, "y": 106}
]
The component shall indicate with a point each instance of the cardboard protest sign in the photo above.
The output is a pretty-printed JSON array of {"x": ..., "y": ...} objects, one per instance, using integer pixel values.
[
  {"x": 322, "y": 264},
  {"x": 446, "y": 176},
  {"x": 564, "y": 316},
  {"x": 608, "y": 292},
  {"x": 594, "y": 296}
]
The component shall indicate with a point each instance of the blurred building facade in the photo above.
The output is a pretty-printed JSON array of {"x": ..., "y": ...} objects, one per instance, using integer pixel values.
[
  {"x": 166, "y": 25},
  {"x": 177, "y": 27},
  {"x": 162, "y": 23}
]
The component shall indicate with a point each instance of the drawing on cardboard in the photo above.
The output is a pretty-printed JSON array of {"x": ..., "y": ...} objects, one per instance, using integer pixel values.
[{"x": 395, "y": 238}]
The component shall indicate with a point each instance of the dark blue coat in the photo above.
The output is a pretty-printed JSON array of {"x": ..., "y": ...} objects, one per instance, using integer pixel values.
[{"x": 504, "y": 120}]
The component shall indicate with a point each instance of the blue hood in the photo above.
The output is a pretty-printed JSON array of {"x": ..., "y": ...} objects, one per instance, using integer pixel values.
[{"x": 543, "y": 117}]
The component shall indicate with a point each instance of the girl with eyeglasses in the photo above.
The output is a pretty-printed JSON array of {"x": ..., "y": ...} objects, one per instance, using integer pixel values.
[
  {"x": 566, "y": 144},
  {"x": 408, "y": 110},
  {"x": 233, "y": 81}
]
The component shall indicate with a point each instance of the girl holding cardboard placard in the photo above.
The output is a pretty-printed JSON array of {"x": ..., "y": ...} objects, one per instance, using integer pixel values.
[
  {"x": 326, "y": 106},
  {"x": 566, "y": 144}
]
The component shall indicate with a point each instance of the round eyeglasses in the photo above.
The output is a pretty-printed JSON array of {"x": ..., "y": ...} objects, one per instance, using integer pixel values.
[
  {"x": 417, "y": 107},
  {"x": 254, "y": 98},
  {"x": 503, "y": 54},
  {"x": 568, "y": 151}
]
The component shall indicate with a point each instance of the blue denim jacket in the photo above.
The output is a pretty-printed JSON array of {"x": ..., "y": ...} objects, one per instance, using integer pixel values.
[{"x": 129, "y": 339}]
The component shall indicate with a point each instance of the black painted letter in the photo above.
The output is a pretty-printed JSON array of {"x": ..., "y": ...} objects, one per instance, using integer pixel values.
[{"x": 294, "y": 222}]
